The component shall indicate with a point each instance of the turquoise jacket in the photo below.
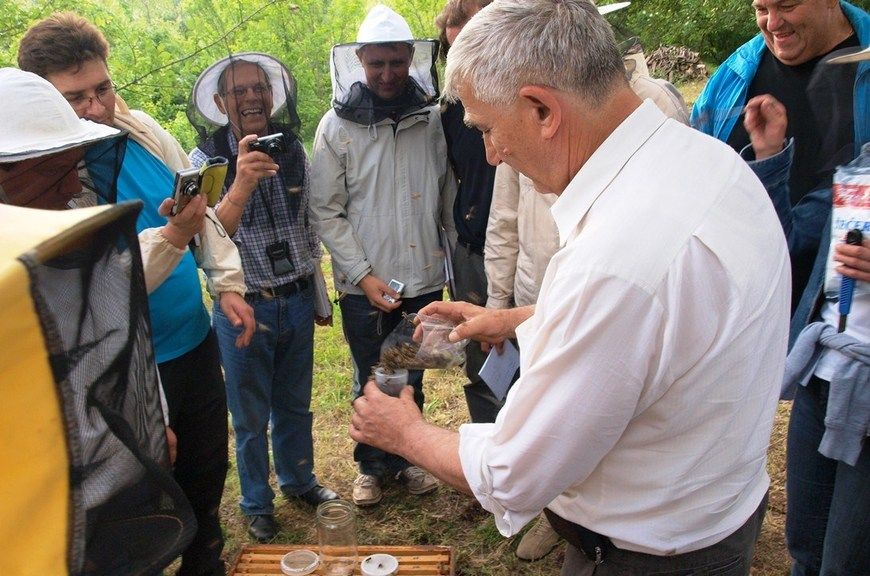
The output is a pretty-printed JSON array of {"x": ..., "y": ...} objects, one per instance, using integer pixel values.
[{"x": 719, "y": 106}]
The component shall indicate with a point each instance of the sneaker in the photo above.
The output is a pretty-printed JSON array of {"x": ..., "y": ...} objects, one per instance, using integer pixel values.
[
  {"x": 367, "y": 490},
  {"x": 417, "y": 481},
  {"x": 538, "y": 541}
]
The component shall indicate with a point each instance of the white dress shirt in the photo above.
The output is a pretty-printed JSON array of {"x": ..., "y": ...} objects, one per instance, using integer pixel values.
[{"x": 652, "y": 365}]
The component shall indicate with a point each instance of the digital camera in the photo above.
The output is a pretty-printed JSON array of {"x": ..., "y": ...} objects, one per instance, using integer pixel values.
[
  {"x": 186, "y": 188},
  {"x": 208, "y": 180},
  {"x": 398, "y": 287},
  {"x": 273, "y": 144}
]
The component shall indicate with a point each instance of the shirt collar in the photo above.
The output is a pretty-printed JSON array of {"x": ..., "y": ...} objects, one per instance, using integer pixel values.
[{"x": 603, "y": 166}]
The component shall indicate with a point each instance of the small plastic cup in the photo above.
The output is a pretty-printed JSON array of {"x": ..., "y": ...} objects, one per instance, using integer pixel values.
[
  {"x": 379, "y": 565},
  {"x": 299, "y": 563},
  {"x": 391, "y": 382}
]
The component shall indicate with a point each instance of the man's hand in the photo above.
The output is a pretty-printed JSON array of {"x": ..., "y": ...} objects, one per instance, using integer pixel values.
[
  {"x": 381, "y": 420},
  {"x": 323, "y": 320},
  {"x": 854, "y": 260},
  {"x": 172, "y": 445},
  {"x": 397, "y": 426},
  {"x": 374, "y": 289},
  {"x": 240, "y": 314},
  {"x": 765, "y": 122},
  {"x": 478, "y": 323},
  {"x": 250, "y": 167},
  {"x": 182, "y": 227}
]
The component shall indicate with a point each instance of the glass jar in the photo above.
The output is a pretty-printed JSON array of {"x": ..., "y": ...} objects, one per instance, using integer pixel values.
[
  {"x": 336, "y": 535},
  {"x": 391, "y": 381}
]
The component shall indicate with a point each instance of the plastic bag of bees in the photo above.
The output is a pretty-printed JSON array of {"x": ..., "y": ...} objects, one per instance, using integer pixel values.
[{"x": 420, "y": 342}]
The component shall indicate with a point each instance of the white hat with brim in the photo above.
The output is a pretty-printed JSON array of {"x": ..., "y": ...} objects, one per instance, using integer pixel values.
[
  {"x": 37, "y": 120},
  {"x": 859, "y": 56},
  {"x": 609, "y": 8},
  {"x": 206, "y": 85}
]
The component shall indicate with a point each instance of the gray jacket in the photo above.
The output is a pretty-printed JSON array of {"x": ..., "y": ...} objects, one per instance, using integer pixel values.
[{"x": 380, "y": 195}]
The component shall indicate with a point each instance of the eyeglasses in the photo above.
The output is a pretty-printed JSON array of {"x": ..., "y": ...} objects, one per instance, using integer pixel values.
[
  {"x": 102, "y": 94},
  {"x": 238, "y": 92}
]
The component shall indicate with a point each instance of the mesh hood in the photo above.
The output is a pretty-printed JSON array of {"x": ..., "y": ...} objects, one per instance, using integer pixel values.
[
  {"x": 206, "y": 117},
  {"x": 352, "y": 99},
  {"x": 128, "y": 516},
  {"x": 44, "y": 184}
]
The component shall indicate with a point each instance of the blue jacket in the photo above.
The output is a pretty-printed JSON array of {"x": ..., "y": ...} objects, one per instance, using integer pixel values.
[
  {"x": 807, "y": 225},
  {"x": 718, "y": 108}
]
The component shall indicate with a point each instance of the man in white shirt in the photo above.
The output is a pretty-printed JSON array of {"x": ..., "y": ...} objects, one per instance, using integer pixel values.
[{"x": 652, "y": 362}]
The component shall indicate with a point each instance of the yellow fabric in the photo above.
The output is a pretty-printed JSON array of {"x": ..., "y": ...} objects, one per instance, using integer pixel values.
[{"x": 34, "y": 483}]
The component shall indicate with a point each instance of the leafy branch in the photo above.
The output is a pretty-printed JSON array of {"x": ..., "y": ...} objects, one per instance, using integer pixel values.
[{"x": 201, "y": 49}]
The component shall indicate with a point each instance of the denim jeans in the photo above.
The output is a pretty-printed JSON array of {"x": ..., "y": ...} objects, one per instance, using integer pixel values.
[
  {"x": 271, "y": 380},
  {"x": 827, "y": 524},
  {"x": 730, "y": 557},
  {"x": 365, "y": 329},
  {"x": 471, "y": 286}
]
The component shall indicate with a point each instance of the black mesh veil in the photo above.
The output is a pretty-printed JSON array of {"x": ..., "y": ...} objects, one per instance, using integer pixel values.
[
  {"x": 127, "y": 514},
  {"x": 351, "y": 98},
  {"x": 44, "y": 182}
]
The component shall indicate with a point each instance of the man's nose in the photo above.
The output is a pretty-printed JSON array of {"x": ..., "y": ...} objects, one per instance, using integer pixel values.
[
  {"x": 70, "y": 185},
  {"x": 96, "y": 110},
  {"x": 388, "y": 73},
  {"x": 492, "y": 157},
  {"x": 774, "y": 20}
]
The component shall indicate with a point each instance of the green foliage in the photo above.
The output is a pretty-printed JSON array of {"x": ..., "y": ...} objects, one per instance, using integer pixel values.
[
  {"x": 714, "y": 28},
  {"x": 159, "y": 47}
]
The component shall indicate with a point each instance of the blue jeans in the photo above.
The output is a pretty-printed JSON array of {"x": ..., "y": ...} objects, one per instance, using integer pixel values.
[
  {"x": 271, "y": 379},
  {"x": 365, "y": 329},
  {"x": 827, "y": 524}
]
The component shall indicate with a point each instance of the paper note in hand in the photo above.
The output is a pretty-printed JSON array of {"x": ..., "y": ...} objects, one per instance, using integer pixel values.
[{"x": 498, "y": 370}]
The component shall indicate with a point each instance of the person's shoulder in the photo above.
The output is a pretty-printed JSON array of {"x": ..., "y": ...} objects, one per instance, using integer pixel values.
[
  {"x": 146, "y": 119},
  {"x": 664, "y": 94},
  {"x": 330, "y": 123}
]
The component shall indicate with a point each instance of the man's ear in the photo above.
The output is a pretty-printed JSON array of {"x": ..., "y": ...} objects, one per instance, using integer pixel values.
[
  {"x": 220, "y": 104},
  {"x": 545, "y": 108}
]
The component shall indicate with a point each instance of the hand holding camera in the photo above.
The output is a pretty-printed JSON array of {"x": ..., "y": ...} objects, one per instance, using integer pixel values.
[
  {"x": 273, "y": 145},
  {"x": 250, "y": 167},
  {"x": 377, "y": 292},
  {"x": 182, "y": 227},
  {"x": 207, "y": 180}
]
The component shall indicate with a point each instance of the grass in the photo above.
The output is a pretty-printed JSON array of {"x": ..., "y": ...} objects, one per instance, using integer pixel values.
[{"x": 444, "y": 517}]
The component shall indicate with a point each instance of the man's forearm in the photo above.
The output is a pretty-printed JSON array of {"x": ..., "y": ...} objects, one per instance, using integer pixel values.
[{"x": 437, "y": 451}]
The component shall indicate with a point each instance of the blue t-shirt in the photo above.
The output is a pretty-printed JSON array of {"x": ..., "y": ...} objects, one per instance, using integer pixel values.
[{"x": 179, "y": 320}]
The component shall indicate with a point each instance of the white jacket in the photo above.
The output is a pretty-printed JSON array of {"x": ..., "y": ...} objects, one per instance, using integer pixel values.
[{"x": 380, "y": 195}]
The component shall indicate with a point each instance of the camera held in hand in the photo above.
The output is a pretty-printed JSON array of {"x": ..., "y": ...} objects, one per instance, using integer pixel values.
[{"x": 273, "y": 144}]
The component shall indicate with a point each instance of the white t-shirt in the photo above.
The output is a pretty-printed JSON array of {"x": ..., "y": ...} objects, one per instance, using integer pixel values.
[{"x": 652, "y": 365}]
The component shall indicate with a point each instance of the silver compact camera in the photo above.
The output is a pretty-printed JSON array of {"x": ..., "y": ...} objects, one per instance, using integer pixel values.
[{"x": 398, "y": 287}]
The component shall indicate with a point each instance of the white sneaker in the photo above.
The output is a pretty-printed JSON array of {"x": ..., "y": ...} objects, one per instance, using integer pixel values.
[
  {"x": 417, "y": 481},
  {"x": 538, "y": 541},
  {"x": 367, "y": 490}
]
